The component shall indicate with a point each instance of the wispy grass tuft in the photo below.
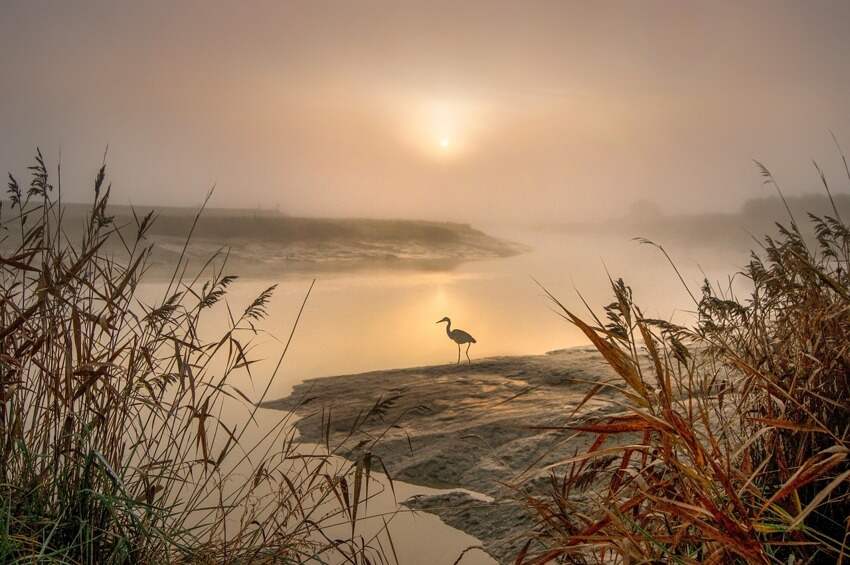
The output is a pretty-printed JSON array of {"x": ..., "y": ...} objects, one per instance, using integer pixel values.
[
  {"x": 731, "y": 444},
  {"x": 112, "y": 445}
]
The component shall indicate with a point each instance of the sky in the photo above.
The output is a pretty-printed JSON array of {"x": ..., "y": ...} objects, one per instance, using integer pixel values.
[{"x": 497, "y": 111}]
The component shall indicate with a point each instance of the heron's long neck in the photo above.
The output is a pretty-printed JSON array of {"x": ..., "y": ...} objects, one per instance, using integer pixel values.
[{"x": 449, "y": 329}]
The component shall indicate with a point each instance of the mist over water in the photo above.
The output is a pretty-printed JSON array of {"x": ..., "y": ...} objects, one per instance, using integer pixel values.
[
  {"x": 410, "y": 161},
  {"x": 385, "y": 318}
]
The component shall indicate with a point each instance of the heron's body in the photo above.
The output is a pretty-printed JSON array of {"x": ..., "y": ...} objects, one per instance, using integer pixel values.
[{"x": 460, "y": 337}]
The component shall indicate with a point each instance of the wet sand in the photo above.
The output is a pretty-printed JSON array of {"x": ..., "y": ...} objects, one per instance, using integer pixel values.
[{"x": 474, "y": 427}]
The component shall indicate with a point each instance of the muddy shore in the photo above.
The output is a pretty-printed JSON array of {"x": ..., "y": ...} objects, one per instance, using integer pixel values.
[{"x": 478, "y": 427}]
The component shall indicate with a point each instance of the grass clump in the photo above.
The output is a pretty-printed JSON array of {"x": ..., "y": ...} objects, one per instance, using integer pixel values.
[
  {"x": 731, "y": 443},
  {"x": 113, "y": 442}
]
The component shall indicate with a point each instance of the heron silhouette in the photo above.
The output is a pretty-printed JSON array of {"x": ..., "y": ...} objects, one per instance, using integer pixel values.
[{"x": 459, "y": 337}]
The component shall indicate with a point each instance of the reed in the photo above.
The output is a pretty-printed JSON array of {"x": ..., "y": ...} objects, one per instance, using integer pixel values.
[
  {"x": 730, "y": 443},
  {"x": 113, "y": 443}
]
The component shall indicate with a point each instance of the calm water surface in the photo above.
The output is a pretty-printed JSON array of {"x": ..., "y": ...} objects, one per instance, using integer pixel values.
[{"x": 384, "y": 318}]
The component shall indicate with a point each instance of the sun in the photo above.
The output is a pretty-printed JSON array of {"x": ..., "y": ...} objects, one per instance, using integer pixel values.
[{"x": 439, "y": 129}]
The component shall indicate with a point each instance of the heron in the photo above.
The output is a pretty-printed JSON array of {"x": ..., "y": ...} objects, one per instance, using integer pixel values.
[{"x": 459, "y": 337}]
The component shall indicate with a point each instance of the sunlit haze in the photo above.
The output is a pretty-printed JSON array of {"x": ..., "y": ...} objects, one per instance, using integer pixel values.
[
  {"x": 443, "y": 110},
  {"x": 424, "y": 282}
]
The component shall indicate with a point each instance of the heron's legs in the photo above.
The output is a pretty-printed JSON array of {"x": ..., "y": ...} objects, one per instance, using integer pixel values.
[
  {"x": 468, "y": 345},
  {"x": 458, "y": 354}
]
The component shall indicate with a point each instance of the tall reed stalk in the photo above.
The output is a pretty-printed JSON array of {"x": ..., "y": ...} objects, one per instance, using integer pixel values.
[
  {"x": 113, "y": 445},
  {"x": 731, "y": 441}
]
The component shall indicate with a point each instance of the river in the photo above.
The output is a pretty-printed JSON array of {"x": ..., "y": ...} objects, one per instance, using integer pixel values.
[{"x": 385, "y": 318}]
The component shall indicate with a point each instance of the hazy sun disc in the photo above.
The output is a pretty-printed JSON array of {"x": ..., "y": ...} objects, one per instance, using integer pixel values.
[{"x": 439, "y": 129}]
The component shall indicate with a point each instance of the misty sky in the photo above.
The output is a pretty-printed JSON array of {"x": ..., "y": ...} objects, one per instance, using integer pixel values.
[{"x": 442, "y": 110}]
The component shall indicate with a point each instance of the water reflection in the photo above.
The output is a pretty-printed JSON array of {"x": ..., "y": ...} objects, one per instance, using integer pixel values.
[
  {"x": 383, "y": 319},
  {"x": 380, "y": 319}
]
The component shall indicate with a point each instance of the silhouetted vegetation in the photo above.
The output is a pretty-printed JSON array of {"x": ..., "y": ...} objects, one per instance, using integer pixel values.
[
  {"x": 112, "y": 443},
  {"x": 732, "y": 445}
]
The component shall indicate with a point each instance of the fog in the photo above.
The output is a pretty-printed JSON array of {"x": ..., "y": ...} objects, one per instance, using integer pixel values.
[
  {"x": 541, "y": 111},
  {"x": 381, "y": 165}
]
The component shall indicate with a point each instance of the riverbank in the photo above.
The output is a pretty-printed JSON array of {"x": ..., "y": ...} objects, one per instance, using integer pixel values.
[
  {"x": 485, "y": 427},
  {"x": 261, "y": 243}
]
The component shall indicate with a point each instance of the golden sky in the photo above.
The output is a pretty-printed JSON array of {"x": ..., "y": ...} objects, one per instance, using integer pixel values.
[{"x": 444, "y": 110}]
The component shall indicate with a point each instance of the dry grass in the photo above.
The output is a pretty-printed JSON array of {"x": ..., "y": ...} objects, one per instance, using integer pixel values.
[
  {"x": 732, "y": 445},
  {"x": 112, "y": 443}
]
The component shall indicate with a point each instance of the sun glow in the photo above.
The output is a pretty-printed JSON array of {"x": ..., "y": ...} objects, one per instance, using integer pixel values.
[{"x": 439, "y": 128}]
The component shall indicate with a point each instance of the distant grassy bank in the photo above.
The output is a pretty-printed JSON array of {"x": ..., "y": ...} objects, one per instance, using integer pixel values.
[
  {"x": 263, "y": 242},
  {"x": 697, "y": 230}
]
